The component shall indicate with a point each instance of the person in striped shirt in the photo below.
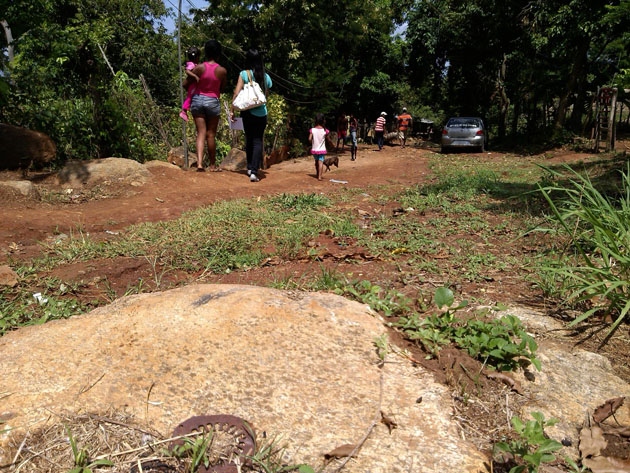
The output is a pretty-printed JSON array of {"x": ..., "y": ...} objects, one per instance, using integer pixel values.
[{"x": 379, "y": 130}]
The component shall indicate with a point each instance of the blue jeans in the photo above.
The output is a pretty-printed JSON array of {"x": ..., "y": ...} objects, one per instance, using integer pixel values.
[
  {"x": 353, "y": 135},
  {"x": 379, "y": 139}
]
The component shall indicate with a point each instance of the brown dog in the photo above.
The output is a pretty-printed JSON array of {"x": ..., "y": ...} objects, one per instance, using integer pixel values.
[{"x": 330, "y": 161}]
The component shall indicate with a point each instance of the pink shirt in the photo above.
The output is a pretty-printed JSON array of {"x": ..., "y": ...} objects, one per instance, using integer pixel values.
[
  {"x": 208, "y": 83},
  {"x": 319, "y": 140},
  {"x": 190, "y": 65},
  {"x": 380, "y": 124}
]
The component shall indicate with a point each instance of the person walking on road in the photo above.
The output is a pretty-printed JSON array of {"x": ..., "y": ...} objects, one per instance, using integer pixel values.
[
  {"x": 254, "y": 119},
  {"x": 353, "y": 124},
  {"x": 405, "y": 123},
  {"x": 379, "y": 130},
  {"x": 342, "y": 126},
  {"x": 204, "y": 106}
]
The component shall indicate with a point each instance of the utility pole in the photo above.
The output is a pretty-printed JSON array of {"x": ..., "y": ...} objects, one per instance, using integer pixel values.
[
  {"x": 181, "y": 79},
  {"x": 7, "y": 33}
]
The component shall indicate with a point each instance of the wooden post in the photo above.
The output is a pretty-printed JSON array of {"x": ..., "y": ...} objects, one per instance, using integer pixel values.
[
  {"x": 181, "y": 79},
  {"x": 596, "y": 129},
  {"x": 610, "y": 142}
]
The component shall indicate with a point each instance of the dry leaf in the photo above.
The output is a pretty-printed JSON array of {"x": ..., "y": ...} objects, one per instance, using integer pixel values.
[
  {"x": 389, "y": 422},
  {"x": 507, "y": 380},
  {"x": 341, "y": 452},
  {"x": 607, "y": 465},
  {"x": 592, "y": 441},
  {"x": 607, "y": 409}
]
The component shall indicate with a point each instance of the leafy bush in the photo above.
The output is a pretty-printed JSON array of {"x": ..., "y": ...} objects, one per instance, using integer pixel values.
[
  {"x": 502, "y": 344},
  {"x": 598, "y": 227},
  {"x": 532, "y": 447}
]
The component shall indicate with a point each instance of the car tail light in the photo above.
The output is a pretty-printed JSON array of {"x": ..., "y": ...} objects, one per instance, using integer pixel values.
[
  {"x": 444, "y": 131},
  {"x": 480, "y": 132}
]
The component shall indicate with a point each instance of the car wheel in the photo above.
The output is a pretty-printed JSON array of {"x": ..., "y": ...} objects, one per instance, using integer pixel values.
[
  {"x": 482, "y": 148},
  {"x": 444, "y": 150}
]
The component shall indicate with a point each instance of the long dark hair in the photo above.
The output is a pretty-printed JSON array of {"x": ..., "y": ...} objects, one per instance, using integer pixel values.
[
  {"x": 254, "y": 61},
  {"x": 212, "y": 50}
]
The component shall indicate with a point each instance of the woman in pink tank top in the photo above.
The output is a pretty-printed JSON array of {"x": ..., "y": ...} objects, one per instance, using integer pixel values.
[{"x": 205, "y": 106}]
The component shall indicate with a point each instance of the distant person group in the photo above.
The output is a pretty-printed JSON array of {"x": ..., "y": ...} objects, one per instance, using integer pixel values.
[
  {"x": 204, "y": 83},
  {"x": 206, "y": 80}
]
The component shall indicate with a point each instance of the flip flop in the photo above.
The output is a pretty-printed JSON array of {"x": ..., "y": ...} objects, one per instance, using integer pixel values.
[{"x": 201, "y": 170}]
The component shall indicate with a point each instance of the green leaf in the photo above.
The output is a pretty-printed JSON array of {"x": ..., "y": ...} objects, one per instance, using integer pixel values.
[
  {"x": 305, "y": 469},
  {"x": 549, "y": 445},
  {"x": 517, "y": 424},
  {"x": 443, "y": 297}
]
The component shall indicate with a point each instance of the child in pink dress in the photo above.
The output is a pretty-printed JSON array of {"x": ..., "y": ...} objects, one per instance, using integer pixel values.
[
  {"x": 317, "y": 136},
  {"x": 193, "y": 59}
]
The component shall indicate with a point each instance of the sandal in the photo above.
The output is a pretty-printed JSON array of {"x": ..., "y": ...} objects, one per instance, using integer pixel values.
[{"x": 201, "y": 170}]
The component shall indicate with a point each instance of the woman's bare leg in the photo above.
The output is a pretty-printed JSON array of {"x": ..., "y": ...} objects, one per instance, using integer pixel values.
[
  {"x": 211, "y": 132},
  {"x": 200, "y": 123}
]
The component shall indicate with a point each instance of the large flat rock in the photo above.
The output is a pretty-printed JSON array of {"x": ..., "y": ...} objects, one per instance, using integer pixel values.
[{"x": 299, "y": 365}]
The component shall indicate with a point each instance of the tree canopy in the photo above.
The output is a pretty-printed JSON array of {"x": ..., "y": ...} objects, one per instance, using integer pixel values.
[{"x": 530, "y": 68}]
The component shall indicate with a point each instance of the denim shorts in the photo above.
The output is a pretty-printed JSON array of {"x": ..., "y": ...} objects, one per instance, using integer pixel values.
[
  {"x": 319, "y": 157},
  {"x": 204, "y": 106}
]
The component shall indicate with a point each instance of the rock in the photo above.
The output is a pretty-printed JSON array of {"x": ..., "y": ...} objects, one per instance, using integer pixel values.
[
  {"x": 19, "y": 147},
  {"x": 24, "y": 188},
  {"x": 159, "y": 165},
  {"x": 176, "y": 156},
  {"x": 570, "y": 383},
  {"x": 8, "y": 277},
  {"x": 236, "y": 160},
  {"x": 103, "y": 171},
  {"x": 298, "y": 365}
]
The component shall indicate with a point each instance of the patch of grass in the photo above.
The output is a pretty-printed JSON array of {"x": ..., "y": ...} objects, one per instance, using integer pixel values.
[
  {"x": 597, "y": 225},
  {"x": 21, "y": 307},
  {"x": 225, "y": 236}
]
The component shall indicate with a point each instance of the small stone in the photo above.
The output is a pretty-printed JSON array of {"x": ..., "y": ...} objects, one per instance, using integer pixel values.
[{"x": 8, "y": 277}]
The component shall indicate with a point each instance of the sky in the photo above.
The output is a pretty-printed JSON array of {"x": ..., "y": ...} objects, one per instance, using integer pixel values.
[{"x": 170, "y": 23}]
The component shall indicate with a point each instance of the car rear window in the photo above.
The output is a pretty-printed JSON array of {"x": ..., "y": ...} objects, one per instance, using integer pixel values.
[{"x": 463, "y": 123}]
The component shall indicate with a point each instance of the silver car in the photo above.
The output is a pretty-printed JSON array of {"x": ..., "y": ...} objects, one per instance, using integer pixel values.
[{"x": 464, "y": 132}]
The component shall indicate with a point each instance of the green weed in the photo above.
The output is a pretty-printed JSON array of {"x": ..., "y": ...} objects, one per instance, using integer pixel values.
[
  {"x": 82, "y": 463},
  {"x": 532, "y": 447},
  {"x": 502, "y": 344}
]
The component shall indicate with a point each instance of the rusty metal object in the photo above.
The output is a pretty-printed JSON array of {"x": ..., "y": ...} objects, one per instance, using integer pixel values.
[
  {"x": 244, "y": 438},
  {"x": 155, "y": 466}
]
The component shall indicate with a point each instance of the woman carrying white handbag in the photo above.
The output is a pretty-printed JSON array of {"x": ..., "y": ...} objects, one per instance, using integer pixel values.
[{"x": 254, "y": 118}]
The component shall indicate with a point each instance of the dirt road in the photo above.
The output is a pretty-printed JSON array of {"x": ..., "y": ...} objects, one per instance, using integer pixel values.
[{"x": 171, "y": 192}]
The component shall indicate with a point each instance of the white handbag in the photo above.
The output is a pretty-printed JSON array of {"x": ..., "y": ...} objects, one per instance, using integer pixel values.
[{"x": 250, "y": 96}]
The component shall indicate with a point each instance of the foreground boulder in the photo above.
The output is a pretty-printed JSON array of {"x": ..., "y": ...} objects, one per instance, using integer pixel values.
[
  {"x": 299, "y": 365},
  {"x": 571, "y": 383},
  {"x": 21, "y": 147},
  {"x": 103, "y": 171}
]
